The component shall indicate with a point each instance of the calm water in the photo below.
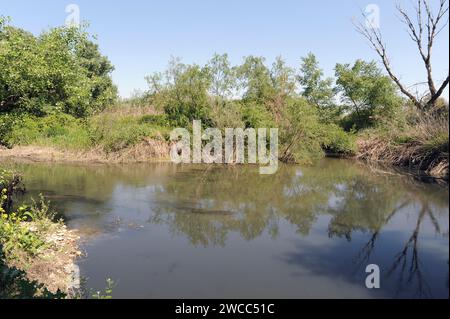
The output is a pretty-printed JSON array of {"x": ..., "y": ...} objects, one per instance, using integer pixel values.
[{"x": 161, "y": 230}]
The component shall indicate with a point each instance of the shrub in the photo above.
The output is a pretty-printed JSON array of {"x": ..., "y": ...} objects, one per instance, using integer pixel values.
[
  {"x": 114, "y": 132},
  {"x": 60, "y": 130},
  {"x": 228, "y": 115},
  {"x": 337, "y": 141},
  {"x": 184, "y": 95}
]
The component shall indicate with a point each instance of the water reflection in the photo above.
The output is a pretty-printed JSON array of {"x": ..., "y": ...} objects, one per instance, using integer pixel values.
[{"x": 320, "y": 225}]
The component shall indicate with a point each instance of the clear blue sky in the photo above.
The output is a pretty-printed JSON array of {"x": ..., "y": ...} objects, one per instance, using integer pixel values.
[{"x": 140, "y": 36}]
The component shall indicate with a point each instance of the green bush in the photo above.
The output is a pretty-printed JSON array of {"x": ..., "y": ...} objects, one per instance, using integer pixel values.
[
  {"x": 368, "y": 95},
  {"x": 7, "y": 122},
  {"x": 184, "y": 95},
  {"x": 60, "y": 130},
  {"x": 337, "y": 141},
  {"x": 114, "y": 132}
]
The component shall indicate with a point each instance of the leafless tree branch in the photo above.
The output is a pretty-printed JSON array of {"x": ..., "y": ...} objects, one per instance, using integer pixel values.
[{"x": 428, "y": 23}]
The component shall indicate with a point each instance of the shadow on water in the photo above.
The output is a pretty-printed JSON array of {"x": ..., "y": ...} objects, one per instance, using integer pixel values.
[{"x": 320, "y": 225}]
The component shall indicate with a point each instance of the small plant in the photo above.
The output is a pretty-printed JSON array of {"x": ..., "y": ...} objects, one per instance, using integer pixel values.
[
  {"x": 16, "y": 237},
  {"x": 107, "y": 292}
]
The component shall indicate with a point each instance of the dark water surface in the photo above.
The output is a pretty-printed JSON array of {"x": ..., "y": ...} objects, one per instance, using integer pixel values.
[{"x": 160, "y": 230}]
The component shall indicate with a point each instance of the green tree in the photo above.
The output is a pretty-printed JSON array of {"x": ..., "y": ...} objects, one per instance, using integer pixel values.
[
  {"x": 255, "y": 80},
  {"x": 99, "y": 68},
  {"x": 284, "y": 86},
  {"x": 367, "y": 94},
  {"x": 317, "y": 90},
  {"x": 222, "y": 78},
  {"x": 182, "y": 92},
  {"x": 59, "y": 70}
]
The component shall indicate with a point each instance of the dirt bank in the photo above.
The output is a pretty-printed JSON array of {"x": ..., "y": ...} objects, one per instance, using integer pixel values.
[
  {"x": 373, "y": 150},
  {"x": 147, "y": 150},
  {"x": 54, "y": 265}
]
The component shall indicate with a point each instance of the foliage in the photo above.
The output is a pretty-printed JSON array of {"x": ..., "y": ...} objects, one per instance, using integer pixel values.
[
  {"x": 184, "y": 94},
  {"x": 268, "y": 98},
  {"x": 59, "y": 70},
  {"x": 255, "y": 115},
  {"x": 367, "y": 94},
  {"x": 229, "y": 115},
  {"x": 421, "y": 143},
  {"x": 113, "y": 132},
  {"x": 61, "y": 130},
  {"x": 155, "y": 119},
  {"x": 304, "y": 136},
  {"x": 15, "y": 237},
  {"x": 222, "y": 78},
  {"x": 317, "y": 90},
  {"x": 23, "y": 232},
  {"x": 255, "y": 79}
]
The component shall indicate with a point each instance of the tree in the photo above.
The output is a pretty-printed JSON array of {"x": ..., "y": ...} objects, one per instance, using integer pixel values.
[
  {"x": 182, "y": 92},
  {"x": 316, "y": 90},
  {"x": 222, "y": 77},
  {"x": 255, "y": 80},
  {"x": 366, "y": 92},
  {"x": 284, "y": 86},
  {"x": 283, "y": 78},
  {"x": 99, "y": 68},
  {"x": 59, "y": 70},
  {"x": 423, "y": 27}
]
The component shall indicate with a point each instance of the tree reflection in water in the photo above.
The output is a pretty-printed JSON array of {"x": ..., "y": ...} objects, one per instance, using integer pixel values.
[
  {"x": 209, "y": 207},
  {"x": 207, "y": 204}
]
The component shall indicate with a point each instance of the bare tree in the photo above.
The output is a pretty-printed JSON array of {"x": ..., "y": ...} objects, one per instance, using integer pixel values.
[{"x": 423, "y": 28}]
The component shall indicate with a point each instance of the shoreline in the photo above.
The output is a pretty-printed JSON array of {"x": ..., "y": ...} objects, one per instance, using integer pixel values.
[
  {"x": 52, "y": 271},
  {"x": 149, "y": 150},
  {"x": 155, "y": 151}
]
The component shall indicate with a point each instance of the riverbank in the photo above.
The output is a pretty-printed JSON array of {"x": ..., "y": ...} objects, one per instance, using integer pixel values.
[
  {"x": 369, "y": 151},
  {"x": 37, "y": 251},
  {"x": 146, "y": 150},
  {"x": 51, "y": 271},
  {"x": 412, "y": 156},
  {"x": 420, "y": 145}
]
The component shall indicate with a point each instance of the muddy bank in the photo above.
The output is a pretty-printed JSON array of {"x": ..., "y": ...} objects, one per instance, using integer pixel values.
[
  {"x": 54, "y": 266},
  {"x": 371, "y": 151},
  {"x": 147, "y": 150}
]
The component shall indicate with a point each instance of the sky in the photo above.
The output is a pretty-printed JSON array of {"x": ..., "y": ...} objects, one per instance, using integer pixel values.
[{"x": 139, "y": 37}]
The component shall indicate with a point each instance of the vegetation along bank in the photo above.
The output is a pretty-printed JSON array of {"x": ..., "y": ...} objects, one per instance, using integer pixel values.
[{"x": 58, "y": 102}]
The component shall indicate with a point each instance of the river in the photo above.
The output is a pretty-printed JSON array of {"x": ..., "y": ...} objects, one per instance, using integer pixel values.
[{"x": 166, "y": 231}]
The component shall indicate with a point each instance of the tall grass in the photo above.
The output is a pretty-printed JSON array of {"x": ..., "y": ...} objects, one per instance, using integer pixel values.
[{"x": 111, "y": 131}]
